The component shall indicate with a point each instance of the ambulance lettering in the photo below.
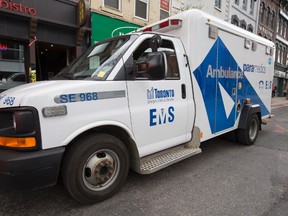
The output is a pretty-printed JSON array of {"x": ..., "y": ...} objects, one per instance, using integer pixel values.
[
  {"x": 222, "y": 73},
  {"x": 162, "y": 116}
]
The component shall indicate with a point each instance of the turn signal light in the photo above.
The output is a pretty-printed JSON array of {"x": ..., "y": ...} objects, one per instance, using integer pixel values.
[{"x": 18, "y": 142}]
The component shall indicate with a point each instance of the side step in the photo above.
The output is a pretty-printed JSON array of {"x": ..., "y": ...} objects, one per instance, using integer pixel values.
[{"x": 160, "y": 160}]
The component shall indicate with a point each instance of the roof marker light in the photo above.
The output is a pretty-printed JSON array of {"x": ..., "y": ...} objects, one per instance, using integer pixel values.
[
  {"x": 173, "y": 23},
  {"x": 164, "y": 24}
]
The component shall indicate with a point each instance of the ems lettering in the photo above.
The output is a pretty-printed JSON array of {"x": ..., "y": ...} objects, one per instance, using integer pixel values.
[{"x": 161, "y": 116}]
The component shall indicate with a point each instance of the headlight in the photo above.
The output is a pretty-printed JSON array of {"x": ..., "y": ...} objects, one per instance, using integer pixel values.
[
  {"x": 23, "y": 122},
  {"x": 19, "y": 128}
]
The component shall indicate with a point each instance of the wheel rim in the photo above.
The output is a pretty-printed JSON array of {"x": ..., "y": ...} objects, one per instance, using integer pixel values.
[
  {"x": 101, "y": 170},
  {"x": 253, "y": 129}
]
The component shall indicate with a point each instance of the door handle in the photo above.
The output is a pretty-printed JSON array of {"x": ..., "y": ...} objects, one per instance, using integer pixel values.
[{"x": 183, "y": 90}]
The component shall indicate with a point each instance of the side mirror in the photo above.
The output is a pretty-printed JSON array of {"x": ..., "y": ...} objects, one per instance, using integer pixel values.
[
  {"x": 155, "y": 42},
  {"x": 155, "y": 63}
]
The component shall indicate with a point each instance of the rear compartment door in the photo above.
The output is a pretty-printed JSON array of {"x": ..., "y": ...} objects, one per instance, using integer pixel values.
[{"x": 226, "y": 84}]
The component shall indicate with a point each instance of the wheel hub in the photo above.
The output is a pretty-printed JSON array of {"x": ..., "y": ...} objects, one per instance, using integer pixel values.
[
  {"x": 99, "y": 170},
  {"x": 103, "y": 170}
]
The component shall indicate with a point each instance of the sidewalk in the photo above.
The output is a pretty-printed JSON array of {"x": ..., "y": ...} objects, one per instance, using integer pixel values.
[{"x": 279, "y": 101}]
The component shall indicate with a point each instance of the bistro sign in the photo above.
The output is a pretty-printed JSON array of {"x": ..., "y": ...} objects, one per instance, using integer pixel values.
[{"x": 19, "y": 7}]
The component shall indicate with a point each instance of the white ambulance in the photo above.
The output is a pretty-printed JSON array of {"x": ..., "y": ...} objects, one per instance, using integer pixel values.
[{"x": 143, "y": 101}]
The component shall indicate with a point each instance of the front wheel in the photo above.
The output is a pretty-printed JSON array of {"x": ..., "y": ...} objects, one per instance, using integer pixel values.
[
  {"x": 249, "y": 135},
  {"x": 95, "y": 168}
]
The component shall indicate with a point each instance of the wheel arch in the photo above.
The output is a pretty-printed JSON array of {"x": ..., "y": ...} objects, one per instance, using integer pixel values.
[
  {"x": 247, "y": 111},
  {"x": 114, "y": 130}
]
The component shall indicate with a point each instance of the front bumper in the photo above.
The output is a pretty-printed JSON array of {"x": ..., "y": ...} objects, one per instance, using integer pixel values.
[{"x": 29, "y": 170}]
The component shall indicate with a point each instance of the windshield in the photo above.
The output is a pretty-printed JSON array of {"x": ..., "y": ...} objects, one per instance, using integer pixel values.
[{"x": 99, "y": 60}]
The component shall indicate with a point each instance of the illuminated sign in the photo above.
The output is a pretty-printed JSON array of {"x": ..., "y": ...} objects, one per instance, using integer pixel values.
[
  {"x": 8, "y": 4},
  {"x": 3, "y": 47},
  {"x": 82, "y": 12}
]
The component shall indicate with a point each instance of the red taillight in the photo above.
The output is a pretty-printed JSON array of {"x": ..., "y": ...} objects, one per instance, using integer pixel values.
[
  {"x": 164, "y": 24},
  {"x": 175, "y": 22},
  {"x": 147, "y": 29}
]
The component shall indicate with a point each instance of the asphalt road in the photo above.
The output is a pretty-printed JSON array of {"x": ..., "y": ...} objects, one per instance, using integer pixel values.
[{"x": 226, "y": 179}]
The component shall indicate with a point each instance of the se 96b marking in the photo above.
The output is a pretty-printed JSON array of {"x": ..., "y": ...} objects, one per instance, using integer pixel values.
[{"x": 80, "y": 97}]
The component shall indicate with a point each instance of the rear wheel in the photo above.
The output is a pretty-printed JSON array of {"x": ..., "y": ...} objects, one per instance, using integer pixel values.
[
  {"x": 95, "y": 168},
  {"x": 249, "y": 135}
]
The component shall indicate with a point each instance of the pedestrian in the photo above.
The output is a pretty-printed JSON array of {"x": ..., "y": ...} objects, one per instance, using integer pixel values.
[{"x": 274, "y": 91}]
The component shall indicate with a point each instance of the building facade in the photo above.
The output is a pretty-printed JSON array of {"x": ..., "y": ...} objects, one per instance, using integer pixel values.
[
  {"x": 114, "y": 17},
  {"x": 268, "y": 16},
  {"x": 218, "y": 8},
  {"x": 281, "y": 68},
  {"x": 41, "y": 36},
  {"x": 244, "y": 13}
]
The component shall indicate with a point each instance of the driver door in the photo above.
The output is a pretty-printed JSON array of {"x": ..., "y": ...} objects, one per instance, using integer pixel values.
[{"x": 157, "y": 108}]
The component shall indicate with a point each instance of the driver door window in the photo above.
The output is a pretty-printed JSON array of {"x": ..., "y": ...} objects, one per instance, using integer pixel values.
[{"x": 171, "y": 63}]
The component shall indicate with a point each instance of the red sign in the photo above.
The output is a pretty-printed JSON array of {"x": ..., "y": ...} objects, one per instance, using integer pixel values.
[
  {"x": 165, "y": 5},
  {"x": 3, "y": 47},
  {"x": 8, "y": 4}
]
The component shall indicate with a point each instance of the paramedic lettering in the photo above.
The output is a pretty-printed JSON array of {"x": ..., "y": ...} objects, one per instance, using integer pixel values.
[
  {"x": 254, "y": 68},
  {"x": 8, "y": 4}
]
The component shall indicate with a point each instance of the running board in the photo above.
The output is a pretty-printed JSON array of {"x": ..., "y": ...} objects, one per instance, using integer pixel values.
[{"x": 160, "y": 160}]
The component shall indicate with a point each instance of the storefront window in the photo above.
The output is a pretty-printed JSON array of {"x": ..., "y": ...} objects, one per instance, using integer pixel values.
[
  {"x": 11, "y": 51},
  {"x": 12, "y": 64}
]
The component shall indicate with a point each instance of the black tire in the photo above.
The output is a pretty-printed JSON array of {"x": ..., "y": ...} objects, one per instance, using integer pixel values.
[
  {"x": 95, "y": 168},
  {"x": 231, "y": 136},
  {"x": 249, "y": 135}
]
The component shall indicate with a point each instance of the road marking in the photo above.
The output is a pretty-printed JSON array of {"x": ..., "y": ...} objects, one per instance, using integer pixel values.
[{"x": 282, "y": 130}]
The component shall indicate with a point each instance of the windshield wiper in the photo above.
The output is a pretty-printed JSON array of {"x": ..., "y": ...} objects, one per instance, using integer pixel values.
[{"x": 65, "y": 76}]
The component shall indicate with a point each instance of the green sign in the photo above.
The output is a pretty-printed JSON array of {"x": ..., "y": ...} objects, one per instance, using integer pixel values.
[{"x": 104, "y": 27}]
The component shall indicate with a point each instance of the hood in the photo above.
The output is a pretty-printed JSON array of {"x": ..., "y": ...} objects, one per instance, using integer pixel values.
[{"x": 44, "y": 92}]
